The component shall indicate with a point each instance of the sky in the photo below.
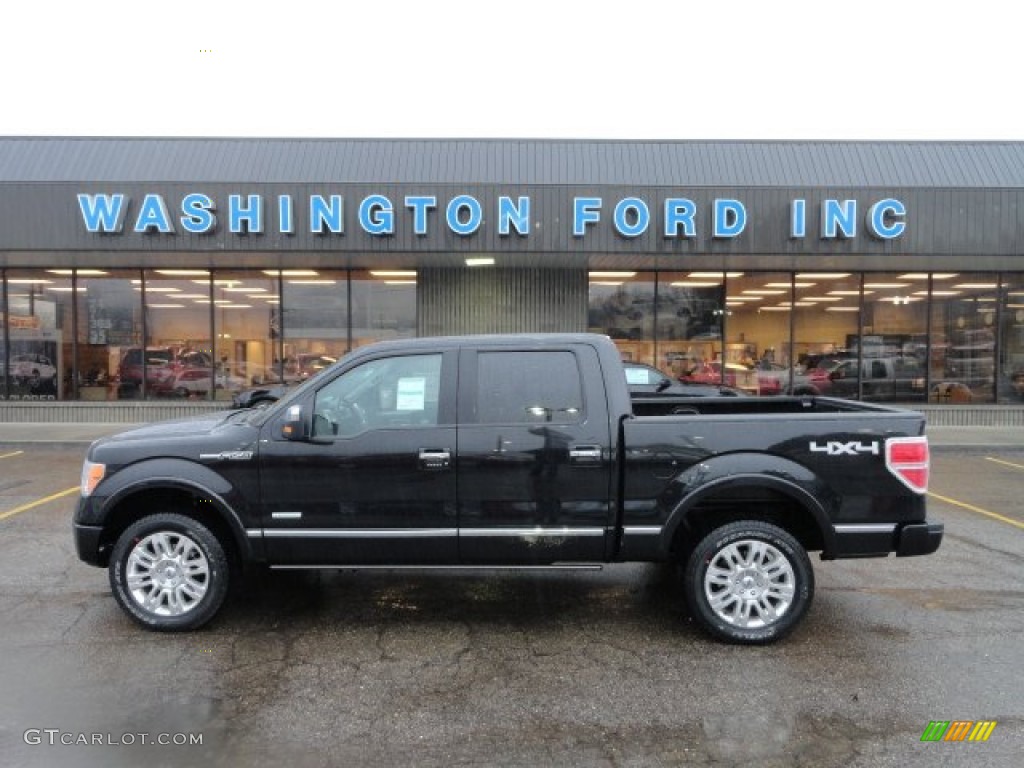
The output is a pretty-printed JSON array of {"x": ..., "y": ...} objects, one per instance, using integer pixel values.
[{"x": 644, "y": 70}]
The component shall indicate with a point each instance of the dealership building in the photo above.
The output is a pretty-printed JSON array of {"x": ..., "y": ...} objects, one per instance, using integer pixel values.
[{"x": 142, "y": 271}]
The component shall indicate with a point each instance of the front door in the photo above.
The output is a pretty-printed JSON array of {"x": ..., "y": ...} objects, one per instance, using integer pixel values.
[{"x": 375, "y": 483}]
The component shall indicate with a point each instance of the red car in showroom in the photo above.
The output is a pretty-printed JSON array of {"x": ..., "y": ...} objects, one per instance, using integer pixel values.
[
  {"x": 163, "y": 366},
  {"x": 765, "y": 379},
  {"x": 734, "y": 375}
]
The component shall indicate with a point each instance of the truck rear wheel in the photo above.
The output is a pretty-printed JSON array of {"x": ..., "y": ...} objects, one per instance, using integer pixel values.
[
  {"x": 748, "y": 582},
  {"x": 169, "y": 573}
]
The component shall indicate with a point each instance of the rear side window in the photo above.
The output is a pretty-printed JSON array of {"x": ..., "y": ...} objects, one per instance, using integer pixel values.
[{"x": 528, "y": 388}]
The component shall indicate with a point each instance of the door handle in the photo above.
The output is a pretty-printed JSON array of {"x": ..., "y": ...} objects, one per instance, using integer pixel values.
[
  {"x": 435, "y": 458},
  {"x": 585, "y": 454}
]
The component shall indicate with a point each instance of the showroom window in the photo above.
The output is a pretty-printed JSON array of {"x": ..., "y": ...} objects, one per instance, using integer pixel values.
[
  {"x": 1010, "y": 379},
  {"x": 38, "y": 326},
  {"x": 109, "y": 317},
  {"x": 757, "y": 356},
  {"x": 963, "y": 337},
  {"x": 893, "y": 341},
  {"x": 315, "y": 324},
  {"x": 690, "y": 310},
  {"x": 176, "y": 359},
  {"x": 906, "y": 337},
  {"x": 622, "y": 306},
  {"x": 246, "y": 322},
  {"x": 4, "y": 372},
  {"x": 826, "y": 316}
]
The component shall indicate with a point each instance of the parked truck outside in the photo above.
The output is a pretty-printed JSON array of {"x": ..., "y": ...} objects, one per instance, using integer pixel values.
[{"x": 491, "y": 452}]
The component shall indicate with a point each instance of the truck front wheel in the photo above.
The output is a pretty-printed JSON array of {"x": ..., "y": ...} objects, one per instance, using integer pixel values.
[
  {"x": 169, "y": 573},
  {"x": 748, "y": 582}
]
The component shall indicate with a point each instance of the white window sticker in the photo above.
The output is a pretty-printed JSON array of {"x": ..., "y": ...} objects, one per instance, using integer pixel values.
[
  {"x": 412, "y": 394},
  {"x": 636, "y": 376}
]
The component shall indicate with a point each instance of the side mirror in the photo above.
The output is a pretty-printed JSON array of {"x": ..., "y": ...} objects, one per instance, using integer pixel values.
[{"x": 294, "y": 427}]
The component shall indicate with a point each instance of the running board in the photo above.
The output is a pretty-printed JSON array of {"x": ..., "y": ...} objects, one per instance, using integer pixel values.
[{"x": 552, "y": 567}]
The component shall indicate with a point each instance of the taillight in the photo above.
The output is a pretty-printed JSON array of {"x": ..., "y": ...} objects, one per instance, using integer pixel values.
[{"x": 907, "y": 458}]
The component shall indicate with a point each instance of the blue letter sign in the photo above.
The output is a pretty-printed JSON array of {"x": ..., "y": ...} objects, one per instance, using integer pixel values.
[
  {"x": 197, "y": 213},
  {"x": 885, "y": 219},
  {"x": 635, "y": 208},
  {"x": 730, "y": 218},
  {"x": 102, "y": 213},
  {"x": 680, "y": 212},
  {"x": 456, "y": 206},
  {"x": 838, "y": 219},
  {"x": 585, "y": 210}
]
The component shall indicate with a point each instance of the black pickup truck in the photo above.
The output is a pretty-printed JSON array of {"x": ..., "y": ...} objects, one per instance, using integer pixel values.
[{"x": 506, "y": 451}]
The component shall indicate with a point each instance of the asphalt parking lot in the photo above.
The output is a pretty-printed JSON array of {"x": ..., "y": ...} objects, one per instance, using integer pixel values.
[{"x": 593, "y": 669}]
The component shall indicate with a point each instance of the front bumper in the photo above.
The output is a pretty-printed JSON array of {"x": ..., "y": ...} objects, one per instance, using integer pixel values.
[
  {"x": 87, "y": 544},
  {"x": 919, "y": 539}
]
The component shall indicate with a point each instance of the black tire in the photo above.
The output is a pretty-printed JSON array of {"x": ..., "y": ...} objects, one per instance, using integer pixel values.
[
  {"x": 748, "y": 582},
  {"x": 169, "y": 572}
]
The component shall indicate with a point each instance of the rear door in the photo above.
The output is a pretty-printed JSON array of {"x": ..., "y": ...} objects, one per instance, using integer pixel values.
[{"x": 534, "y": 456}]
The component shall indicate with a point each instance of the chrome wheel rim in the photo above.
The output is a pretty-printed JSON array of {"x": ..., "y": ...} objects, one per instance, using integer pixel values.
[
  {"x": 167, "y": 574},
  {"x": 749, "y": 584}
]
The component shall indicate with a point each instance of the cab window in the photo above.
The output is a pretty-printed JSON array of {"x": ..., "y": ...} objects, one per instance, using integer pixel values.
[
  {"x": 528, "y": 388},
  {"x": 379, "y": 394}
]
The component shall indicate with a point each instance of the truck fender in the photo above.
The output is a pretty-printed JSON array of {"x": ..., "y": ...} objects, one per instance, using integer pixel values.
[
  {"x": 754, "y": 470},
  {"x": 177, "y": 474}
]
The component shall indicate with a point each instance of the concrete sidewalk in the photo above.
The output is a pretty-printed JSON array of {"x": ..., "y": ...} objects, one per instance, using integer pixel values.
[
  {"x": 972, "y": 438},
  {"x": 79, "y": 435}
]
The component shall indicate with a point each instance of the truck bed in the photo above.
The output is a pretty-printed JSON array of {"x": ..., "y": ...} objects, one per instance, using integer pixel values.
[{"x": 657, "y": 405}]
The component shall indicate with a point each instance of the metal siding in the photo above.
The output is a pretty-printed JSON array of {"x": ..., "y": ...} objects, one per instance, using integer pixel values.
[
  {"x": 1011, "y": 231},
  {"x": 952, "y": 212},
  {"x": 672, "y": 164},
  {"x": 464, "y": 301},
  {"x": 958, "y": 159},
  {"x": 971, "y": 171},
  {"x": 871, "y": 163}
]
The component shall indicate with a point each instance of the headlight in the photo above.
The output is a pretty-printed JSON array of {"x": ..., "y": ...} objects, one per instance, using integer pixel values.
[{"x": 92, "y": 473}]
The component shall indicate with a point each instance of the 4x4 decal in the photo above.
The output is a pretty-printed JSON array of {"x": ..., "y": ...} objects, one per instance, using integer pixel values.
[{"x": 853, "y": 448}]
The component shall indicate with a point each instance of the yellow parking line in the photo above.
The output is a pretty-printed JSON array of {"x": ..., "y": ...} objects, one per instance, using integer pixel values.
[
  {"x": 979, "y": 510},
  {"x": 12, "y": 453},
  {"x": 37, "y": 503},
  {"x": 987, "y": 458}
]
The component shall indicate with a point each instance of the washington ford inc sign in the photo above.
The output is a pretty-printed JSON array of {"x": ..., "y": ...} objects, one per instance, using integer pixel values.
[{"x": 378, "y": 215}]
